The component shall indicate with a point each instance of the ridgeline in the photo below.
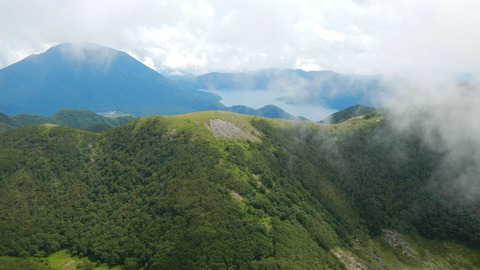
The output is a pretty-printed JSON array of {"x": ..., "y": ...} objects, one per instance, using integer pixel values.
[{"x": 218, "y": 190}]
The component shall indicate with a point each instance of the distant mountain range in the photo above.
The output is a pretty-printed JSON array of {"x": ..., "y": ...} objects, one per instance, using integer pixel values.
[
  {"x": 97, "y": 78},
  {"x": 325, "y": 88}
]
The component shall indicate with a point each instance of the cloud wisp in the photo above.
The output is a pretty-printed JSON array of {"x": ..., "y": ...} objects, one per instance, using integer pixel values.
[{"x": 445, "y": 114}]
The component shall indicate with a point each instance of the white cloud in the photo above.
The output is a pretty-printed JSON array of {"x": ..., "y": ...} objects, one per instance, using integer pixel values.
[
  {"x": 445, "y": 115},
  {"x": 307, "y": 65},
  {"x": 368, "y": 36}
]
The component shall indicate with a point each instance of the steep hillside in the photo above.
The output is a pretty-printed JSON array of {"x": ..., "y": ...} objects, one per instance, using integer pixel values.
[{"x": 217, "y": 190}]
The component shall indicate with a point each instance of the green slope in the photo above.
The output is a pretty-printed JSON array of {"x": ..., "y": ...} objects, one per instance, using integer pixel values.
[
  {"x": 12, "y": 263},
  {"x": 6, "y": 122},
  {"x": 217, "y": 190},
  {"x": 87, "y": 120},
  {"x": 269, "y": 111},
  {"x": 67, "y": 117},
  {"x": 4, "y": 126},
  {"x": 348, "y": 113}
]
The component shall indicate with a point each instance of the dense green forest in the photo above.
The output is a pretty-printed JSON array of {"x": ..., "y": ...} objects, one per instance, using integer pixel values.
[{"x": 217, "y": 190}]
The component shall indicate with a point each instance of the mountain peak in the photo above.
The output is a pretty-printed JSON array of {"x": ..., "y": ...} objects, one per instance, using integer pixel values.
[
  {"x": 93, "y": 77},
  {"x": 89, "y": 53},
  {"x": 79, "y": 47}
]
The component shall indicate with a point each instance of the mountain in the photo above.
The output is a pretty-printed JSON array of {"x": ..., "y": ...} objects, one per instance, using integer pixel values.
[
  {"x": 269, "y": 111},
  {"x": 95, "y": 78},
  {"x": 325, "y": 88},
  {"x": 218, "y": 190},
  {"x": 67, "y": 117},
  {"x": 348, "y": 113},
  {"x": 240, "y": 81}
]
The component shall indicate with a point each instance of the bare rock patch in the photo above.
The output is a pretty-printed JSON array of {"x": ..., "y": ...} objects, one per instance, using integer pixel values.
[
  {"x": 224, "y": 129},
  {"x": 397, "y": 242},
  {"x": 236, "y": 195},
  {"x": 350, "y": 261}
]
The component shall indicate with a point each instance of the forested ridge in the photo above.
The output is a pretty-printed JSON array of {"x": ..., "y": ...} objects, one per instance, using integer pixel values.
[
  {"x": 80, "y": 119},
  {"x": 167, "y": 193}
]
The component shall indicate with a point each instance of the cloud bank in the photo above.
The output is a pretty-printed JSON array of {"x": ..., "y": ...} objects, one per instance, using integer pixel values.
[
  {"x": 445, "y": 114},
  {"x": 347, "y": 36}
]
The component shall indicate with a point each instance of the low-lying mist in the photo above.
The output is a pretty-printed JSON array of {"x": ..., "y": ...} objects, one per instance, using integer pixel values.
[{"x": 445, "y": 114}]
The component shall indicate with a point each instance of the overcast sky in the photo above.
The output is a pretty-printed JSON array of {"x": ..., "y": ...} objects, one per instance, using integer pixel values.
[{"x": 347, "y": 36}]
